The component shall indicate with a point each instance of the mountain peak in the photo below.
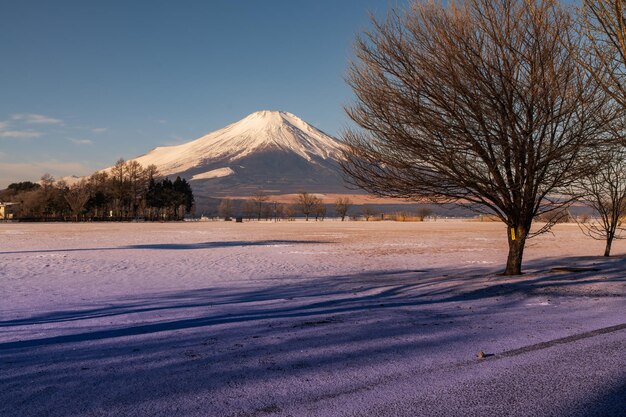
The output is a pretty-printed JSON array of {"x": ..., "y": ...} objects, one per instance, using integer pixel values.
[
  {"x": 265, "y": 118},
  {"x": 264, "y": 130},
  {"x": 273, "y": 118},
  {"x": 269, "y": 114}
]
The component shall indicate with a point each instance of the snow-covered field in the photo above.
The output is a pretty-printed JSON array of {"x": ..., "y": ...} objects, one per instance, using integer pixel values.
[{"x": 307, "y": 319}]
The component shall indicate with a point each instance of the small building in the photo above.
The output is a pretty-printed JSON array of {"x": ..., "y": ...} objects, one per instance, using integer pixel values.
[{"x": 7, "y": 210}]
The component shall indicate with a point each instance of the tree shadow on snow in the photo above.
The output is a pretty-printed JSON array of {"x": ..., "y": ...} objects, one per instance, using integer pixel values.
[
  {"x": 385, "y": 289},
  {"x": 610, "y": 404},
  {"x": 180, "y": 246},
  {"x": 556, "y": 277},
  {"x": 141, "y": 347}
]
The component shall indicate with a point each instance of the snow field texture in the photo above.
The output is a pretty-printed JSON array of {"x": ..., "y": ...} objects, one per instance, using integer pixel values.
[{"x": 306, "y": 318}]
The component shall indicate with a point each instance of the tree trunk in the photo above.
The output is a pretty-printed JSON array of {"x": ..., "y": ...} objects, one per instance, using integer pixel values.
[
  {"x": 517, "y": 241},
  {"x": 607, "y": 249}
]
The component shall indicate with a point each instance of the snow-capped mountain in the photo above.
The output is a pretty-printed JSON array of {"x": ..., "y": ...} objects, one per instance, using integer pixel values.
[{"x": 273, "y": 151}]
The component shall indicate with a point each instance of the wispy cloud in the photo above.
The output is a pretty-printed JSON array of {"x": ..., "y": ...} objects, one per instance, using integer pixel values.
[
  {"x": 99, "y": 129},
  {"x": 82, "y": 141},
  {"x": 19, "y": 125},
  {"x": 39, "y": 119},
  {"x": 19, "y": 134}
]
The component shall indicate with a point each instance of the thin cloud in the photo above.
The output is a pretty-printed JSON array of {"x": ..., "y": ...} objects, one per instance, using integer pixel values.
[
  {"x": 14, "y": 172},
  {"x": 82, "y": 141},
  {"x": 20, "y": 134},
  {"x": 39, "y": 119},
  {"x": 99, "y": 129}
]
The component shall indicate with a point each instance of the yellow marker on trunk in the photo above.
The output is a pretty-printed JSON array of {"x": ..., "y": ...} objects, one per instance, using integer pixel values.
[{"x": 512, "y": 233}]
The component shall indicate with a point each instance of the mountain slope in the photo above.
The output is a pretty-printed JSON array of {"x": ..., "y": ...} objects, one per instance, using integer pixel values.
[{"x": 268, "y": 150}]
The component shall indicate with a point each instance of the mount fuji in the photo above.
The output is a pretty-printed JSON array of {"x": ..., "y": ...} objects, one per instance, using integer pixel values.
[{"x": 273, "y": 151}]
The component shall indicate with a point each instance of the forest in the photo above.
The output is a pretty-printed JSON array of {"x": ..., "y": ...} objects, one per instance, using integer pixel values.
[{"x": 125, "y": 192}]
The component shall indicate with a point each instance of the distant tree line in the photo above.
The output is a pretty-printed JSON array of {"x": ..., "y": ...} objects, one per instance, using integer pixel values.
[
  {"x": 310, "y": 206},
  {"x": 126, "y": 191},
  {"x": 262, "y": 207}
]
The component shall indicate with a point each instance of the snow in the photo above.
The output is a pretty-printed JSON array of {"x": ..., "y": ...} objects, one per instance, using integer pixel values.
[
  {"x": 306, "y": 318},
  {"x": 258, "y": 131},
  {"x": 215, "y": 173},
  {"x": 71, "y": 179}
]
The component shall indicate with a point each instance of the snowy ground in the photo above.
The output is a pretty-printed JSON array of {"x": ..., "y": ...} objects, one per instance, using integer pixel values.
[{"x": 307, "y": 319}]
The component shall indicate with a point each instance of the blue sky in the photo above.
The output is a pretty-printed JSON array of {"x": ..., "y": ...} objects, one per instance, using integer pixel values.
[{"x": 84, "y": 83}]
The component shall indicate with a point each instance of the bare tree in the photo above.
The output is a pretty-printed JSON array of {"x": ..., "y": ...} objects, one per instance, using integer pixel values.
[
  {"x": 276, "y": 210},
  {"x": 226, "y": 209},
  {"x": 77, "y": 196},
  {"x": 259, "y": 201},
  {"x": 268, "y": 211},
  {"x": 603, "y": 24},
  {"x": 119, "y": 185},
  {"x": 47, "y": 181},
  {"x": 98, "y": 186},
  {"x": 49, "y": 198},
  {"x": 289, "y": 211},
  {"x": 369, "y": 212},
  {"x": 605, "y": 192},
  {"x": 306, "y": 202},
  {"x": 151, "y": 171},
  {"x": 137, "y": 184},
  {"x": 319, "y": 210},
  {"x": 248, "y": 209},
  {"x": 480, "y": 102},
  {"x": 342, "y": 205}
]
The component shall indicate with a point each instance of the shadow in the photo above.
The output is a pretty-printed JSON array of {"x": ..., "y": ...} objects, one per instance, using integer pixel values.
[
  {"x": 249, "y": 351},
  {"x": 213, "y": 245},
  {"x": 375, "y": 289},
  {"x": 611, "y": 404},
  {"x": 557, "y": 277},
  {"x": 293, "y": 302},
  {"x": 181, "y": 246},
  {"x": 387, "y": 289}
]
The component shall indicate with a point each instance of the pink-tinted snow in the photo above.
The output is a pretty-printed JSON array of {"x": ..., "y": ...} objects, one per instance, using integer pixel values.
[{"x": 307, "y": 319}]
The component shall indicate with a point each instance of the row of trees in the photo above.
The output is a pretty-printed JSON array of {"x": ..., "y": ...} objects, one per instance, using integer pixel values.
[
  {"x": 262, "y": 207},
  {"x": 126, "y": 191},
  {"x": 515, "y": 107}
]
